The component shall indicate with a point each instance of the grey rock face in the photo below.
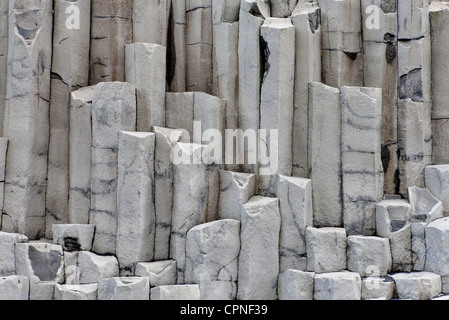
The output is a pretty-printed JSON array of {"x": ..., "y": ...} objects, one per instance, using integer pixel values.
[
  {"x": 176, "y": 292},
  {"x": 40, "y": 261},
  {"x": 338, "y": 286},
  {"x": 160, "y": 273},
  {"x": 259, "y": 253},
  {"x": 14, "y": 288},
  {"x": 93, "y": 268},
  {"x": 369, "y": 254},
  {"x": 7, "y": 252},
  {"x": 127, "y": 288},
  {"x": 74, "y": 237},
  {"x": 76, "y": 292},
  {"x": 437, "y": 247},
  {"x": 296, "y": 285},
  {"x": 212, "y": 251},
  {"x": 417, "y": 285}
]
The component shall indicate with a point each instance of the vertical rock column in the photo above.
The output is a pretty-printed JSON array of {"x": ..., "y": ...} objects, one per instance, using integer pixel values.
[
  {"x": 380, "y": 39},
  {"x": 282, "y": 8},
  {"x": 341, "y": 43},
  {"x": 250, "y": 69},
  {"x": 26, "y": 122},
  {"x": 80, "y": 149},
  {"x": 189, "y": 199},
  {"x": 135, "y": 200},
  {"x": 414, "y": 105},
  {"x": 362, "y": 173},
  {"x": 199, "y": 43},
  {"x": 439, "y": 21},
  {"x": 111, "y": 30},
  {"x": 3, "y": 152},
  {"x": 3, "y": 57},
  {"x": 295, "y": 206},
  {"x": 113, "y": 110},
  {"x": 209, "y": 113},
  {"x": 259, "y": 253},
  {"x": 164, "y": 176},
  {"x": 276, "y": 106},
  {"x": 149, "y": 21},
  {"x": 70, "y": 70},
  {"x": 307, "y": 21},
  {"x": 145, "y": 69},
  {"x": 325, "y": 154},
  {"x": 225, "y": 59}
]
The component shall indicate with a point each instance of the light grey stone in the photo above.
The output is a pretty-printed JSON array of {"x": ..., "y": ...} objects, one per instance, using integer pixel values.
[
  {"x": 377, "y": 288},
  {"x": 380, "y": 30},
  {"x": 325, "y": 154},
  {"x": 306, "y": 19},
  {"x": 338, "y": 286},
  {"x": 426, "y": 207},
  {"x": 296, "y": 285},
  {"x": 259, "y": 253},
  {"x": 413, "y": 19},
  {"x": 437, "y": 182},
  {"x": 362, "y": 172},
  {"x": 439, "y": 17},
  {"x": 93, "y": 267},
  {"x": 276, "y": 103},
  {"x": 366, "y": 255},
  {"x": 26, "y": 122},
  {"x": 160, "y": 273},
  {"x": 150, "y": 21},
  {"x": 80, "y": 149},
  {"x": 199, "y": 46},
  {"x": 391, "y": 216},
  {"x": 226, "y": 71},
  {"x": 326, "y": 249},
  {"x": 74, "y": 236},
  {"x": 218, "y": 290},
  {"x": 437, "y": 259},
  {"x": 4, "y": 27},
  {"x": 250, "y": 79},
  {"x": 295, "y": 207},
  {"x": 176, "y": 292},
  {"x": 124, "y": 288},
  {"x": 76, "y": 292},
  {"x": 393, "y": 221},
  {"x": 42, "y": 291},
  {"x": 3, "y": 153},
  {"x": 14, "y": 288},
  {"x": 71, "y": 268},
  {"x": 163, "y": 187},
  {"x": 111, "y": 30},
  {"x": 212, "y": 251},
  {"x": 411, "y": 134},
  {"x": 341, "y": 43},
  {"x": 419, "y": 245},
  {"x": 135, "y": 200},
  {"x": 70, "y": 70},
  {"x": 225, "y": 11},
  {"x": 417, "y": 285},
  {"x": 282, "y": 8},
  {"x": 445, "y": 285},
  {"x": 236, "y": 189},
  {"x": 189, "y": 199},
  {"x": 145, "y": 69},
  {"x": 179, "y": 111},
  {"x": 7, "y": 245},
  {"x": 113, "y": 110},
  {"x": 40, "y": 261}
]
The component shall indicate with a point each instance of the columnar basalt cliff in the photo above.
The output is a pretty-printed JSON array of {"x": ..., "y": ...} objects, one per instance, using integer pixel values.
[{"x": 224, "y": 149}]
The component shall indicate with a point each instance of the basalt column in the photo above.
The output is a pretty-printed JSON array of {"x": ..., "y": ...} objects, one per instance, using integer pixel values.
[
  {"x": 380, "y": 42},
  {"x": 26, "y": 122},
  {"x": 70, "y": 70}
]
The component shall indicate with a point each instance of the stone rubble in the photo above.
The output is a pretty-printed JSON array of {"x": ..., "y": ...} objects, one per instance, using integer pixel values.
[{"x": 224, "y": 150}]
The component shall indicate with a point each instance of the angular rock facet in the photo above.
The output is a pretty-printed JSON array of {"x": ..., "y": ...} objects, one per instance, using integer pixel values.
[
  {"x": 74, "y": 237},
  {"x": 295, "y": 206},
  {"x": 14, "y": 288},
  {"x": 437, "y": 258},
  {"x": 7, "y": 247},
  {"x": 326, "y": 249},
  {"x": 93, "y": 267},
  {"x": 417, "y": 285},
  {"x": 76, "y": 292},
  {"x": 369, "y": 254},
  {"x": 177, "y": 292},
  {"x": 338, "y": 286},
  {"x": 259, "y": 254},
  {"x": 125, "y": 288},
  {"x": 296, "y": 285},
  {"x": 160, "y": 273}
]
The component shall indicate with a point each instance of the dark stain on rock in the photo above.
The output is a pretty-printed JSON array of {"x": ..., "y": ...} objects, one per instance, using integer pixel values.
[
  {"x": 314, "y": 20},
  {"x": 351, "y": 55},
  {"x": 71, "y": 244},
  {"x": 410, "y": 86},
  {"x": 45, "y": 264}
]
